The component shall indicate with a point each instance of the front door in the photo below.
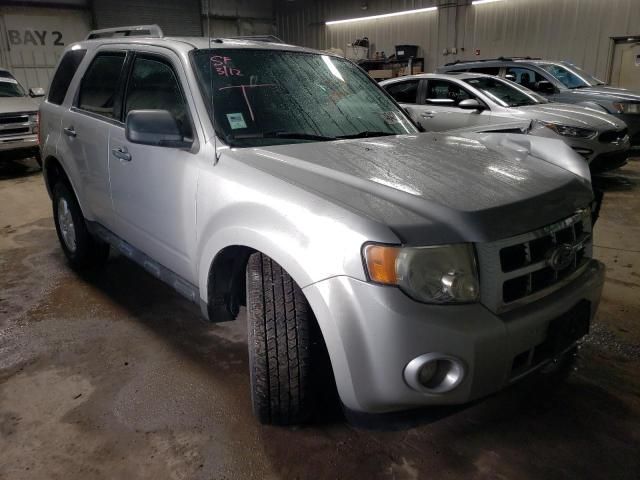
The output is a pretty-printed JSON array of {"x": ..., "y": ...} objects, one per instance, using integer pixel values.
[
  {"x": 154, "y": 188},
  {"x": 439, "y": 110}
]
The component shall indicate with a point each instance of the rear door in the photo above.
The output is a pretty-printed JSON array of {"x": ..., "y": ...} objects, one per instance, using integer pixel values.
[
  {"x": 439, "y": 111},
  {"x": 85, "y": 131},
  {"x": 154, "y": 188}
]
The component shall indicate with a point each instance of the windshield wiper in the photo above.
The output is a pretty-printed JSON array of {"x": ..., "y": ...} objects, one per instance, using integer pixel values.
[
  {"x": 365, "y": 134},
  {"x": 292, "y": 135}
]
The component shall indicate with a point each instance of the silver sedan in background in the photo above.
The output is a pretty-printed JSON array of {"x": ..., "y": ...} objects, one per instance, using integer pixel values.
[{"x": 441, "y": 102}]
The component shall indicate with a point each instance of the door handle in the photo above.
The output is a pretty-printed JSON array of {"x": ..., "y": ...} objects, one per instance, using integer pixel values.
[
  {"x": 70, "y": 132},
  {"x": 121, "y": 153},
  {"x": 428, "y": 114}
]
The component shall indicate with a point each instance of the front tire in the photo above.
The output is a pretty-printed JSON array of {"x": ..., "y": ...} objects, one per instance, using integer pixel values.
[
  {"x": 83, "y": 251},
  {"x": 283, "y": 344}
]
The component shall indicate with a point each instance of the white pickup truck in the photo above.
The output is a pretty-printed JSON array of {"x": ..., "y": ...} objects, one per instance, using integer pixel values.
[{"x": 18, "y": 119}]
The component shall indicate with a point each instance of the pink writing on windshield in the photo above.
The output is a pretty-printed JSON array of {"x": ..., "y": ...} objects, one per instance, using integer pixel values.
[{"x": 222, "y": 67}]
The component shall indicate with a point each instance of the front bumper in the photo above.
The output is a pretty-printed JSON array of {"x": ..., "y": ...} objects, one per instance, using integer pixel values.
[
  {"x": 633, "y": 124},
  {"x": 17, "y": 148},
  {"x": 372, "y": 332},
  {"x": 609, "y": 161}
]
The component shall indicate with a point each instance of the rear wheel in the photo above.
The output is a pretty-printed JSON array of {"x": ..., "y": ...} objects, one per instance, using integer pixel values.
[
  {"x": 81, "y": 249},
  {"x": 284, "y": 345}
]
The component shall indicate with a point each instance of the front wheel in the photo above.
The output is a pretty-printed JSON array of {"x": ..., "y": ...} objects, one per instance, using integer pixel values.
[
  {"x": 283, "y": 345},
  {"x": 81, "y": 249}
]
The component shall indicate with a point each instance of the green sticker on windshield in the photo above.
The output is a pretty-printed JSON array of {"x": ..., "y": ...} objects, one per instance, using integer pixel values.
[{"x": 236, "y": 120}]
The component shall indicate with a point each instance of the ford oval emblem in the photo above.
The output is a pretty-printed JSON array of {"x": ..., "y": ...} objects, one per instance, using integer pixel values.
[{"x": 561, "y": 257}]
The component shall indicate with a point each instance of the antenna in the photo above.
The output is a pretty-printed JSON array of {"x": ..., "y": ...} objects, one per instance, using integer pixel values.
[{"x": 213, "y": 115}]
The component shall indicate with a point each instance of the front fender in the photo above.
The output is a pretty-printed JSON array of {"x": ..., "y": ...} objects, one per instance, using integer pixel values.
[{"x": 310, "y": 247}]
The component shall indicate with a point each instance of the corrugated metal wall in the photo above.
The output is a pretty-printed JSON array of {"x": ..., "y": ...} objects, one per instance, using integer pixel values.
[
  {"x": 574, "y": 30},
  {"x": 175, "y": 18},
  {"x": 231, "y": 18}
]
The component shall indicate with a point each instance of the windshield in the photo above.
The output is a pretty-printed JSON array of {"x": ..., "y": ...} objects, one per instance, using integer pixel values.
[
  {"x": 571, "y": 76},
  {"x": 10, "y": 88},
  {"x": 272, "y": 97},
  {"x": 505, "y": 93}
]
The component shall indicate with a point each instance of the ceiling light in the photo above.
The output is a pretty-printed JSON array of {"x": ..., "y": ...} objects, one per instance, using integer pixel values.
[
  {"x": 480, "y": 2},
  {"x": 384, "y": 15}
]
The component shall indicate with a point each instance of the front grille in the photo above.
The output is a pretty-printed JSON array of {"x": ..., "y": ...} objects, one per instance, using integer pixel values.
[
  {"x": 13, "y": 131},
  {"x": 14, "y": 124},
  {"x": 529, "y": 266},
  {"x": 8, "y": 119},
  {"x": 613, "y": 136}
]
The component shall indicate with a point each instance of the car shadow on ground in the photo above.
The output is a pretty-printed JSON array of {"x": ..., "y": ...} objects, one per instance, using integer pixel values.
[
  {"x": 12, "y": 169},
  {"x": 621, "y": 179}
]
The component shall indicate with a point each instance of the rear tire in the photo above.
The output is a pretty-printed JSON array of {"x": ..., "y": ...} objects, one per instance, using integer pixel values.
[
  {"x": 284, "y": 344},
  {"x": 83, "y": 251}
]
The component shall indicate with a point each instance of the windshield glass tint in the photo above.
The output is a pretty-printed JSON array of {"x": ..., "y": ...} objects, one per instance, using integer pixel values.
[
  {"x": 10, "y": 88},
  {"x": 505, "y": 93},
  {"x": 269, "y": 97},
  {"x": 571, "y": 77}
]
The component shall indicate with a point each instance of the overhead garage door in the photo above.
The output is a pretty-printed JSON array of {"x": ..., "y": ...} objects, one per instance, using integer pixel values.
[
  {"x": 32, "y": 40},
  {"x": 175, "y": 18}
]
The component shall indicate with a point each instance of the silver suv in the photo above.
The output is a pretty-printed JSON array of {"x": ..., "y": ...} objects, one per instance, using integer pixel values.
[{"x": 435, "y": 269}]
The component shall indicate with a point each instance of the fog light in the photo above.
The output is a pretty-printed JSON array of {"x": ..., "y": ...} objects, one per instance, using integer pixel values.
[
  {"x": 434, "y": 373},
  {"x": 427, "y": 372}
]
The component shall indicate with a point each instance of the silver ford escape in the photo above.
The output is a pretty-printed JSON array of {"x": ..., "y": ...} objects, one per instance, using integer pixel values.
[{"x": 434, "y": 268}]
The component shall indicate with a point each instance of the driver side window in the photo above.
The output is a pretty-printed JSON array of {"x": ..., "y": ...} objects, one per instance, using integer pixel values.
[
  {"x": 445, "y": 93},
  {"x": 153, "y": 85}
]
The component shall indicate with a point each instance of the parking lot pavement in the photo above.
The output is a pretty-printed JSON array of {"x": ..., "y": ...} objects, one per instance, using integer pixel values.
[{"x": 115, "y": 376}]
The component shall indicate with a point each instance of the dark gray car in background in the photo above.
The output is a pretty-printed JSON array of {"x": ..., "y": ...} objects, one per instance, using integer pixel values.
[{"x": 562, "y": 82}]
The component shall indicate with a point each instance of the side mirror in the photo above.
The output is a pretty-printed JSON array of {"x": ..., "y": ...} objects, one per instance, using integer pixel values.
[
  {"x": 36, "y": 92},
  {"x": 471, "y": 104},
  {"x": 545, "y": 86},
  {"x": 155, "y": 127}
]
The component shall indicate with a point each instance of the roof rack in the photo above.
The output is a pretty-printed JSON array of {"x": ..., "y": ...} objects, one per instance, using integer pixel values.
[
  {"x": 499, "y": 59},
  {"x": 259, "y": 38},
  {"x": 150, "y": 31}
]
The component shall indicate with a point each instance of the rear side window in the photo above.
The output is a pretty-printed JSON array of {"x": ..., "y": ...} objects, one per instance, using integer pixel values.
[
  {"x": 525, "y": 77},
  {"x": 64, "y": 74},
  {"x": 404, "y": 92},
  {"x": 100, "y": 84},
  {"x": 486, "y": 70}
]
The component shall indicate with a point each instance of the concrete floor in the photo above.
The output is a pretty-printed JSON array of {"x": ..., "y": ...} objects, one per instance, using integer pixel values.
[{"x": 115, "y": 376}]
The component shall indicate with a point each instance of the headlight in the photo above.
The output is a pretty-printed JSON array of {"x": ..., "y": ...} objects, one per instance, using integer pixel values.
[
  {"x": 627, "y": 107},
  {"x": 569, "y": 131},
  {"x": 438, "y": 274},
  {"x": 33, "y": 121}
]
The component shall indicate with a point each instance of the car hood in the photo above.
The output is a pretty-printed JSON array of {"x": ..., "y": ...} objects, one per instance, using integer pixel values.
[
  {"x": 606, "y": 93},
  {"x": 434, "y": 188},
  {"x": 574, "y": 115},
  {"x": 17, "y": 105}
]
